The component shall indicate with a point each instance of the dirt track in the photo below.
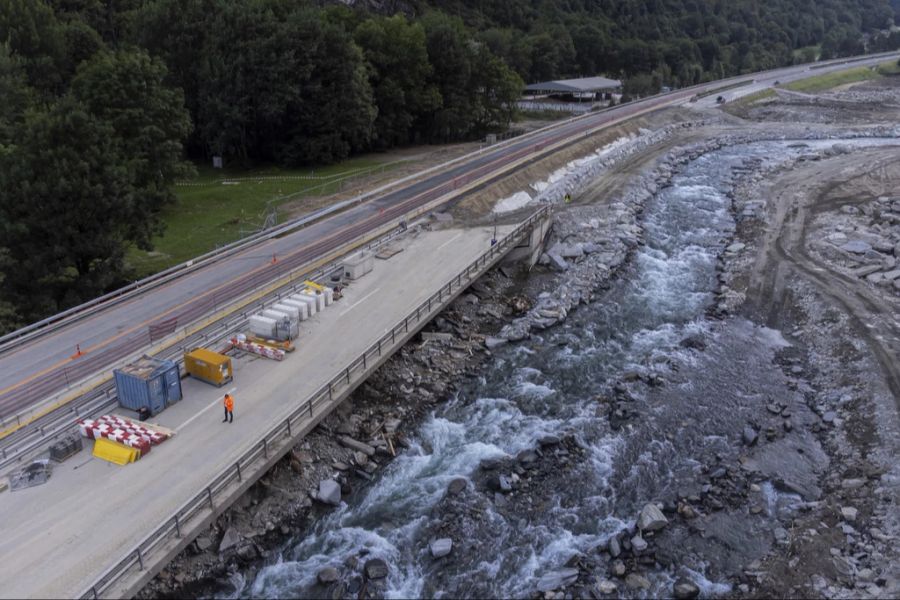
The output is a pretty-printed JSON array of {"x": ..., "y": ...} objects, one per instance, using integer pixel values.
[{"x": 794, "y": 203}]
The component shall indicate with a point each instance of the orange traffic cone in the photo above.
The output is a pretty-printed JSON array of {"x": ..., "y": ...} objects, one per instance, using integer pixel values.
[{"x": 78, "y": 351}]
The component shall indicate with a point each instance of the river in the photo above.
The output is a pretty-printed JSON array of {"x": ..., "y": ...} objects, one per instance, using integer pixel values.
[{"x": 549, "y": 385}]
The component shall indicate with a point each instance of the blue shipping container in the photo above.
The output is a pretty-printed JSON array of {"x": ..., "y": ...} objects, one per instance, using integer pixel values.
[{"x": 149, "y": 383}]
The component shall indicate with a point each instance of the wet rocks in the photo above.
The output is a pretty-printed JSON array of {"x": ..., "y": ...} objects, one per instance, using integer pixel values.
[
  {"x": 440, "y": 548},
  {"x": 651, "y": 518},
  {"x": 614, "y": 547},
  {"x": 685, "y": 589},
  {"x": 638, "y": 544},
  {"x": 637, "y": 582},
  {"x": 328, "y": 575},
  {"x": 376, "y": 568},
  {"x": 456, "y": 486}
]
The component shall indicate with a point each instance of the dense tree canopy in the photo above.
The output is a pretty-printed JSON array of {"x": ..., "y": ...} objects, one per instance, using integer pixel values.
[{"x": 102, "y": 101}]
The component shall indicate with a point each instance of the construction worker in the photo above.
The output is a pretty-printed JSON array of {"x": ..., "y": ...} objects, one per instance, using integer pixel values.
[{"x": 229, "y": 409}]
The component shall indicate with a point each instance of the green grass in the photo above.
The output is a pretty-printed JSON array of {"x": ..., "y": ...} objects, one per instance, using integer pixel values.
[
  {"x": 221, "y": 206},
  {"x": 828, "y": 81},
  {"x": 737, "y": 106},
  {"x": 889, "y": 68}
]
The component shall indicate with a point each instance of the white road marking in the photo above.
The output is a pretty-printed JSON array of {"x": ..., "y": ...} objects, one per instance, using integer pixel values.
[
  {"x": 449, "y": 241},
  {"x": 216, "y": 402},
  {"x": 363, "y": 299}
]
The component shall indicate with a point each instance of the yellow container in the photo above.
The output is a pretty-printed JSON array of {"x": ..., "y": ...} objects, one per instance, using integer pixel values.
[{"x": 208, "y": 366}]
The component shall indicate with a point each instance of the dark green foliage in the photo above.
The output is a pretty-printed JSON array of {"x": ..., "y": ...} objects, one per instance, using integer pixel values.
[{"x": 682, "y": 41}]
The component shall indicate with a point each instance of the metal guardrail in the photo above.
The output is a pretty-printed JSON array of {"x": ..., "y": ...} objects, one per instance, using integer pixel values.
[{"x": 269, "y": 443}]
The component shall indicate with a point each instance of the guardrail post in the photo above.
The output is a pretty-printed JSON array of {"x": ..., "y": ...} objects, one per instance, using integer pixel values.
[
  {"x": 348, "y": 375},
  {"x": 209, "y": 495},
  {"x": 177, "y": 526},
  {"x": 237, "y": 466},
  {"x": 365, "y": 366},
  {"x": 309, "y": 402},
  {"x": 288, "y": 422},
  {"x": 140, "y": 558},
  {"x": 330, "y": 392},
  {"x": 265, "y": 447},
  {"x": 379, "y": 340}
]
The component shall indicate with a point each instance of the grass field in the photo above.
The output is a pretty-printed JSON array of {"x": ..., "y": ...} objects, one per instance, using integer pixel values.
[
  {"x": 220, "y": 206},
  {"x": 828, "y": 81}
]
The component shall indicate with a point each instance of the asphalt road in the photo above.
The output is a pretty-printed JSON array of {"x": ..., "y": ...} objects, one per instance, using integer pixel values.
[{"x": 40, "y": 368}]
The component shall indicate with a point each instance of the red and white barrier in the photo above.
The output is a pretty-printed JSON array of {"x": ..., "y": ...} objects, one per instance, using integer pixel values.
[
  {"x": 264, "y": 351},
  {"x": 121, "y": 430}
]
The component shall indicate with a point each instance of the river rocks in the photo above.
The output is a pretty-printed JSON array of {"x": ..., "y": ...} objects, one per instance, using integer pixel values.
[
  {"x": 376, "y": 568},
  {"x": 849, "y": 513},
  {"x": 685, "y": 589},
  {"x": 606, "y": 587},
  {"x": 638, "y": 544},
  {"x": 494, "y": 342},
  {"x": 857, "y": 247},
  {"x": 614, "y": 548},
  {"x": 500, "y": 483},
  {"x": 328, "y": 575},
  {"x": 456, "y": 486},
  {"x": 231, "y": 539},
  {"x": 356, "y": 445},
  {"x": 329, "y": 492},
  {"x": 637, "y": 582},
  {"x": 750, "y": 435},
  {"x": 440, "y": 548},
  {"x": 618, "y": 568},
  {"x": 651, "y": 518},
  {"x": 555, "y": 580}
]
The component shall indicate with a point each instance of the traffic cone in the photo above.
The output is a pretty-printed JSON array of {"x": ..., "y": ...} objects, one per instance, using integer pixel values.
[
  {"x": 78, "y": 351},
  {"x": 274, "y": 260}
]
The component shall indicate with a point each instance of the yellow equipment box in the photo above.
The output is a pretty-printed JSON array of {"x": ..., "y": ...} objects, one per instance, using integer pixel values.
[
  {"x": 208, "y": 366},
  {"x": 115, "y": 452}
]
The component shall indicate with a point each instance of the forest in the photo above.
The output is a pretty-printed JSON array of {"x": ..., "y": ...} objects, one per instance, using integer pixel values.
[{"x": 104, "y": 104}]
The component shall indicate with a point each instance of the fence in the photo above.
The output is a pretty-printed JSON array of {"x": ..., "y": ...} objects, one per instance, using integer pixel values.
[{"x": 279, "y": 439}]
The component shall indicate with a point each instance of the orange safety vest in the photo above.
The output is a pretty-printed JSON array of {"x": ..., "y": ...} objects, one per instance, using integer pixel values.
[{"x": 229, "y": 403}]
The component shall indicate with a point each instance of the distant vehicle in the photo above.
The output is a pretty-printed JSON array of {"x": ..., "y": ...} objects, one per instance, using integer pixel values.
[
  {"x": 777, "y": 82},
  {"x": 720, "y": 100}
]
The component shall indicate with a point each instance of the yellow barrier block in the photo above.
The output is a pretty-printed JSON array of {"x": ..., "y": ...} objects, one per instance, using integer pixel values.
[{"x": 115, "y": 452}]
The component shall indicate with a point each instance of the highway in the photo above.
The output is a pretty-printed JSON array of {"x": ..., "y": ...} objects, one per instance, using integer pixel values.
[{"x": 35, "y": 370}]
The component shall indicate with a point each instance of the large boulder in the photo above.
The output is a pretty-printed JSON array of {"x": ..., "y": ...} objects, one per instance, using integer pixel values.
[
  {"x": 651, "y": 518},
  {"x": 329, "y": 492}
]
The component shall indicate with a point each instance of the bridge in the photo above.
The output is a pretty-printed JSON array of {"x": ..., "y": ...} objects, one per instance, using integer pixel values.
[{"x": 100, "y": 530}]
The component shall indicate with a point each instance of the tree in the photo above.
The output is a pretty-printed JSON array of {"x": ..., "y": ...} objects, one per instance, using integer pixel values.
[
  {"x": 398, "y": 71},
  {"x": 496, "y": 88},
  {"x": 32, "y": 33},
  {"x": 66, "y": 209},
  {"x": 126, "y": 91},
  {"x": 15, "y": 97}
]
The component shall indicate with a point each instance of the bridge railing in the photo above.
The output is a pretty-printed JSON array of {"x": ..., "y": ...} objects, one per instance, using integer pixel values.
[{"x": 278, "y": 439}]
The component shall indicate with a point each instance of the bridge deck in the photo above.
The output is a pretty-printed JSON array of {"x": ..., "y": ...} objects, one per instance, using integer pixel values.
[{"x": 58, "y": 537}]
